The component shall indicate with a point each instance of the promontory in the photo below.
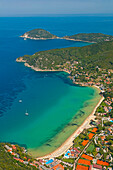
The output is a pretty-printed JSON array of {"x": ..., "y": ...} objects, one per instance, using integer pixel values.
[
  {"x": 38, "y": 34},
  {"x": 90, "y": 37}
]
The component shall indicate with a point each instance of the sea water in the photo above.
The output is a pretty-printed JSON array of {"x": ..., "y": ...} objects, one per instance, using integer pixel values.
[{"x": 50, "y": 98}]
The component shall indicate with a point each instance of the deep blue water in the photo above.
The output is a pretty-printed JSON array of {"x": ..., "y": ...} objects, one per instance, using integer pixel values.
[
  {"x": 11, "y": 46},
  {"x": 16, "y": 79}
]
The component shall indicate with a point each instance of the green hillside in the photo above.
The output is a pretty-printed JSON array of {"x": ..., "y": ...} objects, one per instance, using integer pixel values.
[
  {"x": 90, "y": 37},
  {"x": 8, "y": 163},
  {"x": 99, "y": 54},
  {"x": 39, "y": 34}
]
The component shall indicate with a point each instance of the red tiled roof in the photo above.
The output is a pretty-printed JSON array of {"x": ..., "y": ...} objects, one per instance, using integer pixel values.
[
  {"x": 97, "y": 166},
  {"x": 94, "y": 130},
  {"x": 90, "y": 135},
  {"x": 87, "y": 157},
  {"x": 80, "y": 167},
  {"x": 58, "y": 166},
  {"x": 85, "y": 162},
  {"x": 14, "y": 147},
  {"x": 102, "y": 163},
  {"x": 84, "y": 143},
  {"x": 76, "y": 150}
]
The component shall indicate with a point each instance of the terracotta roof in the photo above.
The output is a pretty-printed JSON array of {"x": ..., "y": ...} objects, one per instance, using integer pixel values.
[
  {"x": 102, "y": 137},
  {"x": 9, "y": 150},
  {"x": 85, "y": 162},
  {"x": 90, "y": 135},
  {"x": 59, "y": 167},
  {"x": 94, "y": 130},
  {"x": 97, "y": 166},
  {"x": 14, "y": 147},
  {"x": 80, "y": 167},
  {"x": 84, "y": 143},
  {"x": 102, "y": 163},
  {"x": 87, "y": 157}
]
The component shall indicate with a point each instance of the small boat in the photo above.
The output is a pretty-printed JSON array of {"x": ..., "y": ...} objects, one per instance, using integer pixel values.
[
  {"x": 24, "y": 38},
  {"x": 20, "y": 101},
  {"x": 26, "y": 113}
]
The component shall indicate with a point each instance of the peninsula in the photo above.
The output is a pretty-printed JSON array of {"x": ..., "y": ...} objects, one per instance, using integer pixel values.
[
  {"x": 38, "y": 34},
  {"x": 90, "y": 37},
  {"x": 80, "y": 62}
]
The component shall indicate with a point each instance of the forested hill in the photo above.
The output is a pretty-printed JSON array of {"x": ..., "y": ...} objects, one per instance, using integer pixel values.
[
  {"x": 99, "y": 54},
  {"x": 38, "y": 34},
  {"x": 7, "y": 161},
  {"x": 90, "y": 37}
]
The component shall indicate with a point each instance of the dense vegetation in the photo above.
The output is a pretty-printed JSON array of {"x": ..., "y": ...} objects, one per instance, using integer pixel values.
[
  {"x": 91, "y": 37},
  {"x": 7, "y": 161},
  {"x": 39, "y": 33},
  {"x": 99, "y": 54}
]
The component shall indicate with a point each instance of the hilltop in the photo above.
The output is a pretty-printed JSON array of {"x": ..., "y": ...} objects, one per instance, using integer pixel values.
[
  {"x": 90, "y": 37},
  {"x": 38, "y": 34}
]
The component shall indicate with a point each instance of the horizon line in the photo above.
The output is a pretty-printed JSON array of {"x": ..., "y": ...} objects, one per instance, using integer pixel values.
[{"x": 36, "y": 15}]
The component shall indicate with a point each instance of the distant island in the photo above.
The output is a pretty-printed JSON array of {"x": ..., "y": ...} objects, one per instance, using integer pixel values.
[
  {"x": 38, "y": 34},
  {"x": 90, "y": 37},
  {"x": 41, "y": 34}
]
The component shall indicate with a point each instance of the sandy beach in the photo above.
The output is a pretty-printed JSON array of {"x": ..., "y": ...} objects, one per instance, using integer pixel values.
[{"x": 69, "y": 142}]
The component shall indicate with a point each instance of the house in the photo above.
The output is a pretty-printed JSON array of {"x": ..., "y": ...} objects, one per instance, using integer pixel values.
[
  {"x": 94, "y": 130},
  {"x": 90, "y": 135},
  {"x": 106, "y": 109},
  {"x": 102, "y": 163},
  {"x": 81, "y": 167},
  {"x": 110, "y": 131},
  {"x": 87, "y": 157},
  {"x": 84, "y": 162},
  {"x": 95, "y": 167},
  {"x": 8, "y": 148},
  {"x": 84, "y": 143},
  {"x": 102, "y": 137},
  {"x": 14, "y": 147},
  {"x": 58, "y": 167}
]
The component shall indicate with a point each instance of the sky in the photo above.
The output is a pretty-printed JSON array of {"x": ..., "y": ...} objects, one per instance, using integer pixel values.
[{"x": 37, "y": 7}]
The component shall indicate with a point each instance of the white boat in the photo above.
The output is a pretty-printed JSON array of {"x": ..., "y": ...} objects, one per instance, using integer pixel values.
[
  {"x": 26, "y": 113},
  {"x": 24, "y": 38},
  {"x": 20, "y": 101}
]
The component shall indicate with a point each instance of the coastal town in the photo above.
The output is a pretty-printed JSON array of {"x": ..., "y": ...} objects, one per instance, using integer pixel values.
[{"x": 92, "y": 148}]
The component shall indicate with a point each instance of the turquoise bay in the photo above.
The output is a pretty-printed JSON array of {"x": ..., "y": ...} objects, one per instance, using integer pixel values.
[
  {"x": 51, "y": 103},
  {"x": 50, "y": 98}
]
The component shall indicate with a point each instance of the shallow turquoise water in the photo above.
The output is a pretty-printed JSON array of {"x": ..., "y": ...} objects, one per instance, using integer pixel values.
[{"x": 51, "y": 104}]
